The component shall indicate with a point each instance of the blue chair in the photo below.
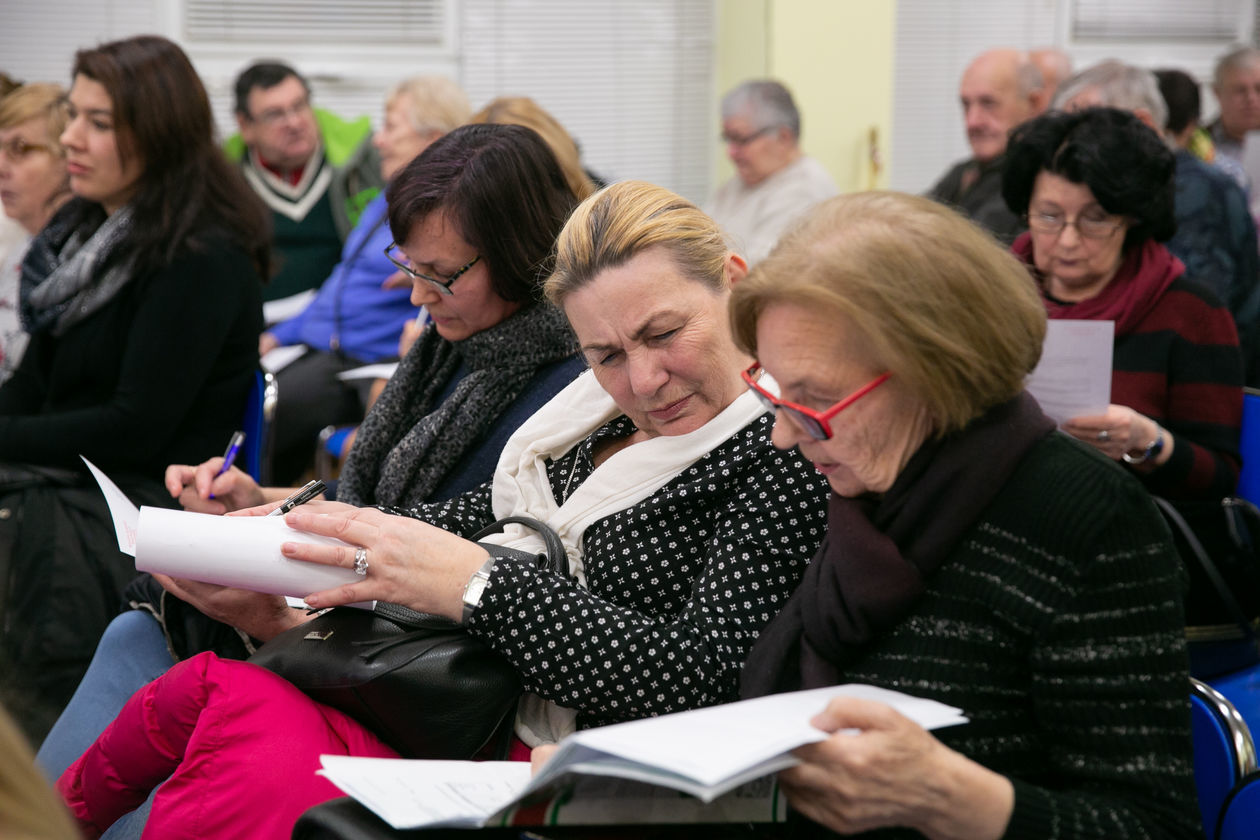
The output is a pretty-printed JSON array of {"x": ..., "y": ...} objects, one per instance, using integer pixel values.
[
  {"x": 1240, "y": 816},
  {"x": 260, "y": 412},
  {"x": 1249, "y": 445},
  {"x": 1242, "y": 689},
  {"x": 1223, "y": 750}
]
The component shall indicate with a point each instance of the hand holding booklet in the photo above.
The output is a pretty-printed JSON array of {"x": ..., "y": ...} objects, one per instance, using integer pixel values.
[
  {"x": 627, "y": 773},
  {"x": 237, "y": 551}
]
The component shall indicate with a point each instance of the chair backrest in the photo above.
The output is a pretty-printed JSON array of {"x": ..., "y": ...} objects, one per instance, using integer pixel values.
[
  {"x": 1223, "y": 749},
  {"x": 1240, "y": 819},
  {"x": 260, "y": 411},
  {"x": 1249, "y": 446}
]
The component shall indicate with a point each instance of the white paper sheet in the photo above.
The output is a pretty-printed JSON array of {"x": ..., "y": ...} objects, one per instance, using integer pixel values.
[
  {"x": 275, "y": 311},
  {"x": 239, "y": 551},
  {"x": 1073, "y": 378},
  {"x": 698, "y": 743},
  {"x": 384, "y": 370},
  {"x": 121, "y": 509},
  {"x": 280, "y": 357},
  {"x": 706, "y": 752},
  {"x": 432, "y": 793}
]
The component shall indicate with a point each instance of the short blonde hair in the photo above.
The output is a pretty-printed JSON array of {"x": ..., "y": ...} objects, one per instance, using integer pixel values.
[
  {"x": 521, "y": 110},
  {"x": 432, "y": 103},
  {"x": 625, "y": 219},
  {"x": 33, "y": 101},
  {"x": 950, "y": 312}
]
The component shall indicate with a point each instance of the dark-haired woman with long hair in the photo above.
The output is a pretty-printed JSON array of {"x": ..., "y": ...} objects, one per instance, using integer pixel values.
[{"x": 143, "y": 299}]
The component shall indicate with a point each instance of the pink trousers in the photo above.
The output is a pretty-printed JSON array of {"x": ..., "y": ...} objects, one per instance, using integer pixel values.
[{"x": 237, "y": 746}]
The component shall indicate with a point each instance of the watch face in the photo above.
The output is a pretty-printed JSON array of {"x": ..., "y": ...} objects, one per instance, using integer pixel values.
[{"x": 476, "y": 586}]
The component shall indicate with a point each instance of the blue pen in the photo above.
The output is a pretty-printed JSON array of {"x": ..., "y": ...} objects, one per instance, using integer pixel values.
[{"x": 229, "y": 455}]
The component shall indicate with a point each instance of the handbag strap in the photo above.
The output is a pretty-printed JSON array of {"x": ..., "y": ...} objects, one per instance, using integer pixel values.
[
  {"x": 1172, "y": 515},
  {"x": 556, "y": 554}
]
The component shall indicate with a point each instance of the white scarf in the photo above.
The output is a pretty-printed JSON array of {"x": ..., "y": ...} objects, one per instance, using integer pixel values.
[{"x": 627, "y": 477}]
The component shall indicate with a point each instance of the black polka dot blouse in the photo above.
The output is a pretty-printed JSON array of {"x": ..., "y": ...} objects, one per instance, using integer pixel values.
[{"x": 679, "y": 585}]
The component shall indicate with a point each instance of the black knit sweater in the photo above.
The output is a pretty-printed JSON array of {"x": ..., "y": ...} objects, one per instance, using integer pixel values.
[{"x": 1056, "y": 627}]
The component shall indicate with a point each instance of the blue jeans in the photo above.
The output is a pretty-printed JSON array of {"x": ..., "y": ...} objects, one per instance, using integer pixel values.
[{"x": 131, "y": 653}]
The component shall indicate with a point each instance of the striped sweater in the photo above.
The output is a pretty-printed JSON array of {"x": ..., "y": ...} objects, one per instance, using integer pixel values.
[
  {"x": 1056, "y": 627},
  {"x": 1180, "y": 366}
]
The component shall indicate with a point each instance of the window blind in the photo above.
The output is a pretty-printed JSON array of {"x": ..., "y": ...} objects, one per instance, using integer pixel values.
[
  {"x": 1158, "y": 20},
  {"x": 632, "y": 82}
]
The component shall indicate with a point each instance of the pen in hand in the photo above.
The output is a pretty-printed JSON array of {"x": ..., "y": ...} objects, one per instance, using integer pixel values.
[
  {"x": 309, "y": 491},
  {"x": 229, "y": 454}
]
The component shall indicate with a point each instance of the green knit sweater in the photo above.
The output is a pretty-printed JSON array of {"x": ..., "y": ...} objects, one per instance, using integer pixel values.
[{"x": 1057, "y": 627}]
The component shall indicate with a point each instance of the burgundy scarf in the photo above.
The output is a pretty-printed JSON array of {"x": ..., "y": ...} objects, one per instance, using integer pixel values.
[
  {"x": 878, "y": 554},
  {"x": 1140, "y": 282}
]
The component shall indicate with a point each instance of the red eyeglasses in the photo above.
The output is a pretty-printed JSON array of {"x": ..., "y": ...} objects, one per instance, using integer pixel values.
[{"x": 817, "y": 424}]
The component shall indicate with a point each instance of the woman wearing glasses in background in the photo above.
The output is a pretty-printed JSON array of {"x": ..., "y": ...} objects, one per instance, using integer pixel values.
[
  {"x": 1097, "y": 188},
  {"x": 33, "y": 184}
]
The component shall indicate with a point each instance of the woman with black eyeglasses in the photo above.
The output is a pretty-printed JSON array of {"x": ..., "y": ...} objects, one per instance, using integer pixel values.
[
  {"x": 477, "y": 213},
  {"x": 1097, "y": 188}
]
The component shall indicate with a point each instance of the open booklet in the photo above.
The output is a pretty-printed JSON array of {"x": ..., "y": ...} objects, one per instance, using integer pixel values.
[
  {"x": 704, "y": 765},
  {"x": 239, "y": 551}
]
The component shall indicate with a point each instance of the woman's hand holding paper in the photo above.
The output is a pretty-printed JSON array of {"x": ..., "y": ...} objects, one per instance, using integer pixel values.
[
  {"x": 408, "y": 562},
  {"x": 260, "y": 615},
  {"x": 881, "y": 769}
]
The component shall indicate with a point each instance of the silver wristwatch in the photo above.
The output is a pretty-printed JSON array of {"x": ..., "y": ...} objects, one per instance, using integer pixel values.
[{"x": 474, "y": 588}]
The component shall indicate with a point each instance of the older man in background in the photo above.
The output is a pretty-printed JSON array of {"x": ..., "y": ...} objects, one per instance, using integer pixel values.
[
  {"x": 1236, "y": 84},
  {"x": 1000, "y": 89},
  {"x": 1055, "y": 66},
  {"x": 315, "y": 171},
  {"x": 1215, "y": 236},
  {"x": 775, "y": 181}
]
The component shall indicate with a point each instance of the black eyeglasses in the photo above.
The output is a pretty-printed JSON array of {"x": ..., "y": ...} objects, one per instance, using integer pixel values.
[
  {"x": 273, "y": 116},
  {"x": 442, "y": 284},
  {"x": 1088, "y": 227},
  {"x": 747, "y": 138}
]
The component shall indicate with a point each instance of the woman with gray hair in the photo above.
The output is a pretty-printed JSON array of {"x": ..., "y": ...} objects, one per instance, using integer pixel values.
[{"x": 973, "y": 555}]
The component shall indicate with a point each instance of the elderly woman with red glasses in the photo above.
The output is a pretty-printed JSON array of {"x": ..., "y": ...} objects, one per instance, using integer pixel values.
[{"x": 973, "y": 555}]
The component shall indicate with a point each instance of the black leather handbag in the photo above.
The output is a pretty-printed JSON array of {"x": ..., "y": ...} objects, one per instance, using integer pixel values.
[{"x": 420, "y": 682}]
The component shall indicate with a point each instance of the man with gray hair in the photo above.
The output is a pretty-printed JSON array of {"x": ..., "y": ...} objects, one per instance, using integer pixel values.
[
  {"x": 999, "y": 90},
  {"x": 1236, "y": 84},
  {"x": 775, "y": 182},
  {"x": 1215, "y": 236}
]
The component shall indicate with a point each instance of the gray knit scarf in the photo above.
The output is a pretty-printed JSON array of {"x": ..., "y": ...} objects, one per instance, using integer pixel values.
[
  {"x": 409, "y": 443},
  {"x": 66, "y": 278}
]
